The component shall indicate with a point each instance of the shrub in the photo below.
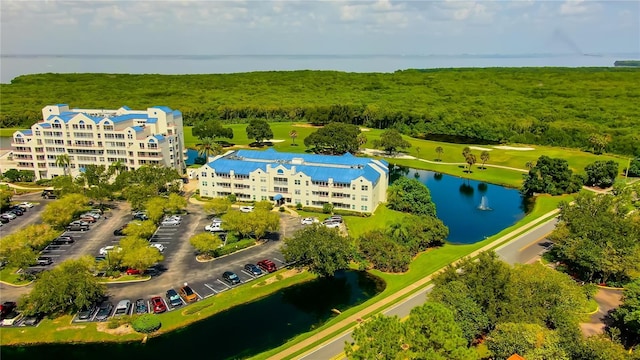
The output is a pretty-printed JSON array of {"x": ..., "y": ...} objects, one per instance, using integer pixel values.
[
  {"x": 298, "y": 206},
  {"x": 327, "y": 208},
  {"x": 146, "y": 323},
  {"x": 231, "y": 248},
  {"x": 232, "y": 197},
  {"x": 281, "y": 209}
]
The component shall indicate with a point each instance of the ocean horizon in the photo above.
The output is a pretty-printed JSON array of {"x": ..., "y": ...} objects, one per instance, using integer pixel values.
[{"x": 13, "y": 65}]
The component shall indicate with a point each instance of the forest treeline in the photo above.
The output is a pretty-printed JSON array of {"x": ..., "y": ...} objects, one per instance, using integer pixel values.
[{"x": 546, "y": 106}]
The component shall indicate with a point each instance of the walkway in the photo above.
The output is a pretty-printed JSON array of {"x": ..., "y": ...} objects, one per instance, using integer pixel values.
[{"x": 354, "y": 319}]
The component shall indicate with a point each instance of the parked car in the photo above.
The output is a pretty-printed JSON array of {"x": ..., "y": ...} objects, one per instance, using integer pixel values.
[
  {"x": 187, "y": 294},
  {"x": 9, "y": 215},
  {"x": 25, "y": 205},
  {"x": 4, "y": 219},
  {"x": 214, "y": 227},
  {"x": 140, "y": 216},
  {"x": 88, "y": 219},
  {"x": 331, "y": 224},
  {"x": 7, "y": 308},
  {"x": 78, "y": 226},
  {"x": 246, "y": 209},
  {"x": 44, "y": 260},
  {"x": 16, "y": 211},
  {"x": 267, "y": 265},
  {"x": 122, "y": 308},
  {"x": 231, "y": 277},
  {"x": 157, "y": 304},
  {"x": 160, "y": 247},
  {"x": 309, "y": 221},
  {"x": 93, "y": 214},
  {"x": 63, "y": 240},
  {"x": 335, "y": 218},
  {"x": 253, "y": 269},
  {"x": 12, "y": 319},
  {"x": 173, "y": 298},
  {"x": 131, "y": 271},
  {"x": 48, "y": 194},
  {"x": 119, "y": 231},
  {"x": 86, "y": 313},
  {"x": 141, "y": 306},
  {"x": 105, "y": 250},
  {"x": 32, "y": 320},
  {"x": 104, "y": 311},
  {"x": 170, "y": 221}
]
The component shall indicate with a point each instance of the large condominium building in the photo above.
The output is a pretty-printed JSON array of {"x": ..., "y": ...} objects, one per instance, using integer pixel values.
[
  {"x": 100, "y": 137},
  {"x": 348, "y": 182}
]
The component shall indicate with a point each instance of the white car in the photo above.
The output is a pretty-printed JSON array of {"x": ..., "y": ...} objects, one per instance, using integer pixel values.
[
  {"x": 331, "y": 224},
  {"x": 160, "y": 247},
  {"x": 26, "y": 205},
  {"x": 170, "y": 221},
  {"x": 105, "y": 250},
  {"x": 213, "y": 227},
  {"x": 309, "y": 221},
  {"x": 10, "y": 215},
  {"x": 246, "y": 209}
]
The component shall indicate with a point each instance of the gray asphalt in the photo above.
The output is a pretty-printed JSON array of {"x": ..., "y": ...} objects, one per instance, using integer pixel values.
[{"x": 526, "y": 248}]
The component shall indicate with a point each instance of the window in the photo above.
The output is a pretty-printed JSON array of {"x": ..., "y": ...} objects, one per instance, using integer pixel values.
[
  {"x": 203, "y": 174},
  {"x": 204, "y": 183},
  {"x": 364, "y": 198},
  {"x": 263, "y": 179},
  {"x": 363, "y": 208},
  {"x": 296, "y": 182},
  {"x": 297, "y": 192},
  {"x": 141, "y": 145},
  {"x": 364, "y": 187},
  {"x": 263, "y": 188}
]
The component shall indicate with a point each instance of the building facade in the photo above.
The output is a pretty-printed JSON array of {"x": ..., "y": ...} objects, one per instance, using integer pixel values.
[
  {"x": 100, "y": 137},
  {"x": 347, "y": 182}
]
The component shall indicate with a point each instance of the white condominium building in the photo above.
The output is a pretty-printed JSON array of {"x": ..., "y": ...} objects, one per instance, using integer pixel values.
[
  {"x": 348, "y": 182},
  {"x": 100, "y": 137}
]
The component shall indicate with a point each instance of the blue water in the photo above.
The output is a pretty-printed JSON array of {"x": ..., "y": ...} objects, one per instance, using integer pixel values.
[
  {"x": 16, "y": 65},
  {"x": 458, "y": 205},
  {"x": 190, "y": 156}
]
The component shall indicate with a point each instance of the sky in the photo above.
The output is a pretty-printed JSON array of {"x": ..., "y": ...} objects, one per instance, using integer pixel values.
[{"x": 244, "y": 27}]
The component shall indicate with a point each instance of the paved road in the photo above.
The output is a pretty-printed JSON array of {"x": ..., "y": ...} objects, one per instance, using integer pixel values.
[{"x": 524, "y": 249}]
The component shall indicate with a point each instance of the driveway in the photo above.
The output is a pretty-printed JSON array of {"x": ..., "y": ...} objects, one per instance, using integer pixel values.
[{"x": 607, "y": 299}]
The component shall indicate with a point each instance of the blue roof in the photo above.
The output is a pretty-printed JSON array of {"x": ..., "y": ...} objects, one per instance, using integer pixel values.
[
  {"x": 62, "y": 105},
  {"x": 342, "y": 169},
  {"x": 27, "y": 132},
  {"x": 163, "y": 108},
  {"x": 45, "y": 125},
  {"x": 121, "y": 118},
  {"x": 137, "y": 128},
  {"x": 152, "y": 120},
  {"x": 68, "y": 115},
  {"x": 159, "y": 137},
  {"x": 126, "y": 107},
  {"x": 176, "y": 113}
]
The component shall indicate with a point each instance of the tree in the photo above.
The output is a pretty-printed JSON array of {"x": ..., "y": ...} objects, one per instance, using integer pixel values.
[
  {"x": 155, "y": 208},
  {"x": 484, "y": 156},
  {"x": 116, "y": 168},
  {"x": 217, "y": 206},
  {"x": 551, "y": 176},
  {"x": 175, "y": 203},
  {"x": 140, "y": 229},
  {"x": 211, "y": 129},
  {"x": 70, "y": 284},
  {"x": 599, "y": 142},
  {"x": 5, "y": 198},
  {"x": 529, "y": 165},
  {"x": 439, "y": 151},
  {"x": 61, "y": 212},
  {"x": 391, "y": 140},
  {"x": 531, "y": 341},
  {"x": 361, "y": 139},
  {"x": 320, "y": 249},
  {"x": 418, "y": 233},
  {"x": 137, "y": 254},
  {"x": 430, "y": 332},
  {"x": 470, "y": 159},
  {"x": 627, "y": 316},
  {"x": 259, "y": 130},
  {"x": 601, "y": 173},
  {"x": 382, "y": 253},
  {"x": 293, "y": 134},
  {"x": 634, "y": 168},
  {"x": 205, "y": 242},
  {"x": 334, "y": 138},
  {"x": 13, "y": 175},
  {"x": 137, "y": 195},
  {"x": 466, "y": 151},
  {"x": 63, "y": 161},
  {"x": 207, "y": 148},
  {"x": 410, "y": 195}
]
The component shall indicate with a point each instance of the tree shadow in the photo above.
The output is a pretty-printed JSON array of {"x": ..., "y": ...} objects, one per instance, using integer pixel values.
[
  {"x": 225, "y": 143},
  {"x": 261, "y": 144}
]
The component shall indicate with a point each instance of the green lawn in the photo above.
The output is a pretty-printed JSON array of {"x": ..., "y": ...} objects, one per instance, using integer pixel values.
[{"x": 8, "y": 132}]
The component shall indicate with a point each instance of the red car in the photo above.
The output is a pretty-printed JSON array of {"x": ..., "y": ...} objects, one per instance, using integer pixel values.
[
  {"x": 133, "y": 272},
  {"x": 157, "y": 304},
  {"x": 267, "y": 265}
]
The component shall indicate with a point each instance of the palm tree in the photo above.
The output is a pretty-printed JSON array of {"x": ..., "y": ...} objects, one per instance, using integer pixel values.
[
  {"x": 117, "y": 167},
  {"x": 484, "y": 156},
  {"x": 470, "y": 159},
  {"x": 362, "y": 139},
  {"x": 293, "y": 135},
  {"x": 207, "y": 147},
  {"x": 63, "y": 161},
  {"x": 439, "y": 151}
]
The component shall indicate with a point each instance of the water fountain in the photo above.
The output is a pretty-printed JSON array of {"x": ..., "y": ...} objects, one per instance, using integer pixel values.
[{"x": 484, "y": 204}]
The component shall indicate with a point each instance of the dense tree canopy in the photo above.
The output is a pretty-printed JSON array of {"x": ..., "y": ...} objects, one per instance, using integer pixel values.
[
  {"x": 391, "y": 141},
  {"x": 551, "y": 176},
  {"x": 627, "y": 316},
  {"x": 547, "y": 106},
  {"x": 320, "y": 249},
  {"x": 211, "y": 129},
  {"x": 334, "y": 138},
  {"x": 598, "y": 239},
  {"x": 601, "y": 173},
  {"x": 259, "y": 130},
  {"x": 410, "y": 195}
]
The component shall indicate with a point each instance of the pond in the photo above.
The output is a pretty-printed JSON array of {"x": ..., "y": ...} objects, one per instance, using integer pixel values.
[
  {"x": 472, "y": 210},
  {"x": 239, "y": 332}
]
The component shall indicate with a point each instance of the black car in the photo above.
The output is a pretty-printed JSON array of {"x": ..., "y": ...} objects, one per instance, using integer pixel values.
[
  {"x": 48, "y": 194},
  {"x": 87, "y": 312},
  {"x": 63, "y": 240},
  {"x": 231, "y": 277},
  {"x": 119, "y": 231},
  {"x": 104, "y": 311},
  {"x": 141, "y": 306},
  {"x": 4, "y": 219},
  {"x": 44, "y": 261},
  {"x": 252, "y": 269},
  {"x": 17, "y": 211}
]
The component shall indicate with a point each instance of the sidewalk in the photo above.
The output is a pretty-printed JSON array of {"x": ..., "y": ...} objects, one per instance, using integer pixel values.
[{"x": 356, "y": 318}]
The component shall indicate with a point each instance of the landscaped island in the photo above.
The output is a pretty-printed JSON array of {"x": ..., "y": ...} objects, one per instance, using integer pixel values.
[{"x": 570, "y": 107}]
